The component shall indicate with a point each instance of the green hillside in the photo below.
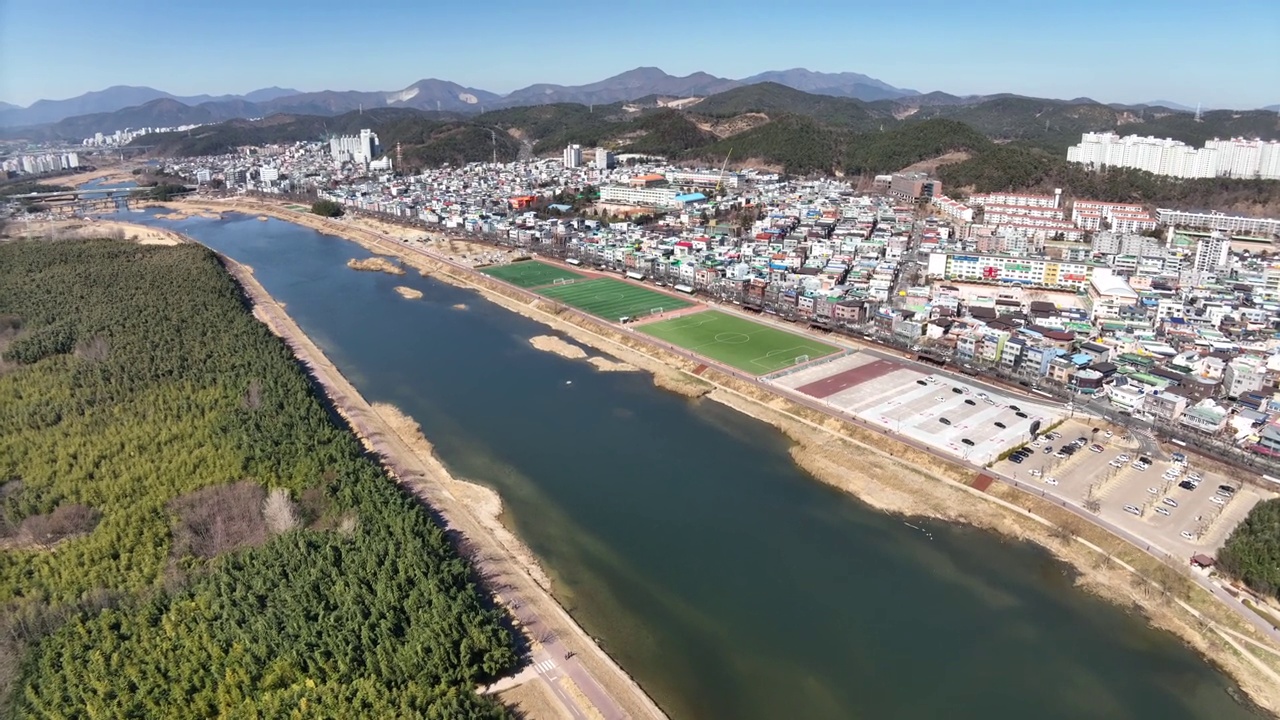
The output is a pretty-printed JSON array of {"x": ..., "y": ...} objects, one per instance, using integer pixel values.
[
  {"x": 895, "y": 149},
  {"x": 800, "y": 145}
]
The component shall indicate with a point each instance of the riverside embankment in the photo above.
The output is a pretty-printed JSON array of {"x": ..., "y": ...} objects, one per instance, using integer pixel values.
[{"x": 593, "y": 553}]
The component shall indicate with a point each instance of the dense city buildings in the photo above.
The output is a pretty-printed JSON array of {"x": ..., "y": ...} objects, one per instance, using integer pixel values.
[{"x": 1236, "y": 157}]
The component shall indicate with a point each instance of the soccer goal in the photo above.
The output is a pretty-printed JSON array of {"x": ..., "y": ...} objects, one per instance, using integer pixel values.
[
  {"x": 563, "y": 281},
  {"x": 800, "y": 360},
  {"x": 655, "y": 311}
]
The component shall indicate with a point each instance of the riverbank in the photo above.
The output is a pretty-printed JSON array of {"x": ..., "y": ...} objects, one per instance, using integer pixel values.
[
  {"x": 475, "y": 512},
  {"x": 897, "y": 478},
  {"x": 80, "y": 228}
]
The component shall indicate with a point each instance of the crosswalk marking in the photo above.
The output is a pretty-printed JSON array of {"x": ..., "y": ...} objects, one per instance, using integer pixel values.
[{"x": 545, "y": 666}]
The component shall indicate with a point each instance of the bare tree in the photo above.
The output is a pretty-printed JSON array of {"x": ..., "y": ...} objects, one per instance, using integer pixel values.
[
  {"x": 279, "y": 512},
  {"x": 95, "y": 349},
  {"x": 253, "y": 395}
]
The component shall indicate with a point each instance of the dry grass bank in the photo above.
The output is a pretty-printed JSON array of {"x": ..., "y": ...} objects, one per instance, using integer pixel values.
[
  {"x": 93, "y": 228},
  {"x": 557, "y": 346},
  {"x": 408, "y": 293}
]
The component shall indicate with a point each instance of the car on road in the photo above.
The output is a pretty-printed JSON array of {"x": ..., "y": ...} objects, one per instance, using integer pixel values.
[
  {"x": 1170, "y": 502},
  {"x": 1050, "y": 481},
  {"x": 1218, "y": 500},
  {"x": 1132, "y": 509},
  {"x": 1188, "y": 536},
  {"x": 1162, "y": 511}
]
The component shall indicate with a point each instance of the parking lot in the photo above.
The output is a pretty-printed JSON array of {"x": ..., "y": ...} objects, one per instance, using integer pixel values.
[
  {"x": 966, "y": 420},
  {"x": 1098, "y": 480}
]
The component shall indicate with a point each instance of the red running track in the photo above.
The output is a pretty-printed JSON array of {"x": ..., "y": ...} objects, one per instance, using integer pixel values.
[{"x": 832, "y": 384}]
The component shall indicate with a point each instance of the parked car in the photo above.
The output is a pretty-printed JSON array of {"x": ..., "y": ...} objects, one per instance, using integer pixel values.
[
  {"x": 1108, "y": 434},
  {"x": 1218, "y": 500},
  {"x": 1138, "y": 466},
  {"x": 1229, "y": 490},
  {"x": 1132, "y": 509},
  {"x": 1048, "y": 449},
  {"x": 921, "y": 382},
  {"x": 1123, "y": 457},
  {"x": 1153, "y": 490},
  {"x": 1162, "y": 511},
  {"x": 1185, "y": 485},
  {"x": 1016, "y": 459},
  {"x": 944, "y": 421},
  {"x": 967, "y": 401},
  {"x": 1000, "y": 425},
  {"x": 940, "y": 399},
  {"x": 1034, "y": 472},
  {"x": 1096, "y": 448},
  {"x": 957, "y": 391},
  {"x": 1170, "y": 502},
  {"x": 966, "y": 441},
  {"x": 1015, "y": 408},
  {"x": 1188, "y": 536},
  {"x": 1050, "y": 481}
]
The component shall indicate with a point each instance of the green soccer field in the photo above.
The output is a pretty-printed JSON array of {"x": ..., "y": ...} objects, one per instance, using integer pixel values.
[
  {"x": 529, "y": 273},
  {"x": 611, "y": 299},
  {"x": 737, "y": 341}
]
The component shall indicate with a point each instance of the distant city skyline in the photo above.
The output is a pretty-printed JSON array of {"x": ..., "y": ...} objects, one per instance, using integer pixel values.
[{"x": 1183, "y": 52}]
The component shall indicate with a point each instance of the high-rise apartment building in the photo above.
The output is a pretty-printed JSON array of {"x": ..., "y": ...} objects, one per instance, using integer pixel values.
[
  {"x": 573, "y": 156},
  {"x": 1236, "y": 157},
  {"x": 359, "y": 149}
]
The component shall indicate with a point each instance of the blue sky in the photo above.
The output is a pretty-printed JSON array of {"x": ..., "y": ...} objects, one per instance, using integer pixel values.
[{"x": 1222, "y": 54}]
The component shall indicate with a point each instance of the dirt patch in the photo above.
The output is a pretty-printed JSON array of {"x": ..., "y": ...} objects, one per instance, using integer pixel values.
[
  {"x": 408, "y": 293},
  {"x": 731, "y": 126},
  {"x": 95, "y": 228},
  {"x": 932, "y": 164},
  {"x": 375, "y": 264},
  {"x": 460, "y": 306},
  {"x": 532, "y": 701}
]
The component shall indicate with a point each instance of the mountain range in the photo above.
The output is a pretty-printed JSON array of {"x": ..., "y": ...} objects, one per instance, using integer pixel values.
[{"x": 434, "y": 94}]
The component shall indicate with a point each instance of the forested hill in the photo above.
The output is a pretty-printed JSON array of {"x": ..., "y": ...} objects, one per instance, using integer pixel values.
[
  {"x": 186, "y": 532},
  {"x": 764, "y": 124}
]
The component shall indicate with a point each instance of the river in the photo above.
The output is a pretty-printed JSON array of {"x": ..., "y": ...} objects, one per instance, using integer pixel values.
[{"x": 723, "y": 578}]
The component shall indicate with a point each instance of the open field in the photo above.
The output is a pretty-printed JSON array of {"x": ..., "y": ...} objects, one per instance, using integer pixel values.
[
  {"x": 529, "y": 273},
  {"x": 737, "y": 341},
  {"x": 611, "y": 299}
]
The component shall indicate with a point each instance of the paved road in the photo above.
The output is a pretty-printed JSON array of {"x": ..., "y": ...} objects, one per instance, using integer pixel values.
[{"x": 818, "y": 406}]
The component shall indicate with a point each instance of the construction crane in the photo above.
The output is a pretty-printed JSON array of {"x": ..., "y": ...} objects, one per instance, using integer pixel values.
[{"x": 720, "y": 182}]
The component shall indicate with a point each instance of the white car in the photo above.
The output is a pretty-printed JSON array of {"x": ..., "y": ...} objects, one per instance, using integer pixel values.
[
  {"x": 940, "y": 399},
  {"x": 1217, "y": 500},
  {"x": 1050, "y": 481},
  {"x": 1132, "y": 509},
  {"x": 1116, "y": 464},
  {"x": 1153, "y": 490},
  {"x": 1188, "y": 536},
  {"x": 1123, "y": 457},
  {"x": 1034, "y": 473},
  {"x": 1162, "y": 511},
  {"x": 1194, "y": 477},
  {"x": 1108, "y": 434},
  {"x": 1037, "y": 443}
]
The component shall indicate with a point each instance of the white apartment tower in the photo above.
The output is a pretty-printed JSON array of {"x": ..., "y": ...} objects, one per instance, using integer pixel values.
[
  {"x": 604, "y": 159},
  {"x": 355, "y": 148},
  {"x": 1237, "y": 157},
  {"x": 573, "y": 156},
  {"x": 1212, "y": 253}
]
